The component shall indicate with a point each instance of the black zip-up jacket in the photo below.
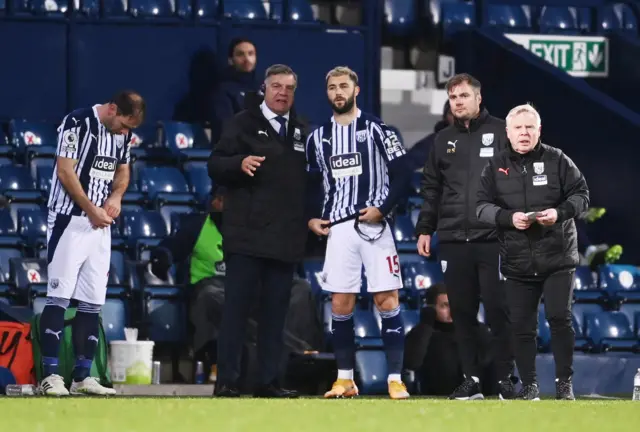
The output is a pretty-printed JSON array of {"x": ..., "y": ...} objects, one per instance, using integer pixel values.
[
  {"x": 264, "y": 215},
  {"x": 542, "y": 179},
  {"x": 451, "y": 179}
]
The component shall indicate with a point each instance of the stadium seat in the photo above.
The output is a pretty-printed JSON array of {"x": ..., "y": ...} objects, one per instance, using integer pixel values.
[
  {"x": 165, "y": 314},
  {"x": 621, "y": 281},
  {"x": 32, "y": 227},
  {"x": 6, "y": 294},
  {"x": 165, "y": 184},
  {"x": 632, "y": 311},
  {"x": 170, "y": 210},
  {"x": 557, "y": 20},
  {"x": 581, "y": 342},
  {"x": 371, "y": 372},
  {"x": 456, "y": 16},
  {"x": 7, "y": 152},
  {"x": 144, "y": 142},
  {"x": 115, "y": 313},
  {"x": 507, "y": 17},
  {"x": 150, "y": 8},
  {"x": 404, "y": 233},
  {"x": 199, "y": 180},
  {"x": 299, "y": 10},
  {"x": 410, "y": 318},
  {"x": 35, "y": 138},
  {"x": 187, "y": 139},
  {"x": 208, "y": 9},
  {"x": 419, "y": 275},
  {"x": 610, "y": 331},
  {"x": 544, "y": 331},
  {"x": 39, "y": 7},
  {"x": 28, "y": 273},
  {"x": 586, "y": 285},
  {"x": 8, "y": 233},
  {"x": 244, "y": 9},
  {"x": 313, "y": 274},
  {"x": 580, "y": 310},
  {"x": 366, "y": 329},
  {"x": 43, "y": 177},
  {"x": 400, "y": 17},
  {"x": 118, "y": 265},
  {"x": 37, "y": 297},
  {"x": 114, "y": 8},
  {"x": 17, "y": 184},
  {"x": 144, "y": 224},
  {"x": 7, "y": 252},
  {"x": 629, "y": 19}
]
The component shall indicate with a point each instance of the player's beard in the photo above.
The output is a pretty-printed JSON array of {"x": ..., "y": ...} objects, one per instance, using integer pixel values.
[{"x": 348, "y": 105}]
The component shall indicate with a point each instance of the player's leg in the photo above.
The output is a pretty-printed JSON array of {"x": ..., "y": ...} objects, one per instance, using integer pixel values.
[
  {"x": 342, "y": 278},
  {"x": 382, "y": 269},
  {"x": 64, "y": 256},
  {"x": 91, "y": 291}
]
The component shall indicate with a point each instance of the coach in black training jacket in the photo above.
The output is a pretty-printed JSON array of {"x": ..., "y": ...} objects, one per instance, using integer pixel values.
[
  {"x": 260, "y": 158},
  {"x": 468, "y": 248},
  {"x": 532, "y": 192}
]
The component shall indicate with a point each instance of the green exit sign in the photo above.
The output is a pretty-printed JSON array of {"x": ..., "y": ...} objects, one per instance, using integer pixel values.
[{"x": 579, "y": 56}]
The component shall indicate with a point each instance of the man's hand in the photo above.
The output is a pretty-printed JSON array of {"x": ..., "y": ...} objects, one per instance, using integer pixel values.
[
  {"x": 113, "y": 205},
  {"x": 424, "y": 245},
  {"x": 250, "y": 164},
  {"x": 99, "y": 218},
  {"x": 319, "y": 226},
  {"x": 547, "y": 217},
  {"x": 520, "y": 221},
  {"x": 370, "y": 215}
]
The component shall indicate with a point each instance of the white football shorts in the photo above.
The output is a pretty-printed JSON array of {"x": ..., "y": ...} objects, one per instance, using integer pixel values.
[
  {"x": 79, "y": 259},
  {"x": 347, "y": 252}
]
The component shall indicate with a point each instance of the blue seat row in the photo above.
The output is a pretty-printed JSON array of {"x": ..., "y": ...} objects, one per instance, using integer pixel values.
[{"x": 299, "y": 10}]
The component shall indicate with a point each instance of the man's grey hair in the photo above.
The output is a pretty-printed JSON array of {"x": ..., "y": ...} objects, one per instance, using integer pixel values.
[
  {"x": 526, "y": 108},
  {"x": 280, "y": 69}
]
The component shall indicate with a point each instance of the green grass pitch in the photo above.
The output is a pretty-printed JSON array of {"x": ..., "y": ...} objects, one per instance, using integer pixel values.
[{"x": 314, "y": 414}]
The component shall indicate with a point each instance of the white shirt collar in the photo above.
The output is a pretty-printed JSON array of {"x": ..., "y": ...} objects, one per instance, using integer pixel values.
[{"x": 270, "y": 115}]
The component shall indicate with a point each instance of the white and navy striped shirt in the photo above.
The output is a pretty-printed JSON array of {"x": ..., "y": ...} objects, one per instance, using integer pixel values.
[
  {"x": 82, "y": 137},
  {"x": 353, "y": 161}
]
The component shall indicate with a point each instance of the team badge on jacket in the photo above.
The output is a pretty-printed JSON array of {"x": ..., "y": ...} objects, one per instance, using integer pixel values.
[{"x": 487, "y": 139}]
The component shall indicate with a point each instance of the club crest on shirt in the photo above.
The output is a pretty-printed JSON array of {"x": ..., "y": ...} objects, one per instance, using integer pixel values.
[
  {"x": 443, "y": 265},
  {"x": 487, "y": 139},
  {"x": 361, "y": 136}
]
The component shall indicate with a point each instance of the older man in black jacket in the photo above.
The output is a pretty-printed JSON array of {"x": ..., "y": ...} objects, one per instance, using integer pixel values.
[
  {"x": 532, "y": 192},
  {"x": 260, "y": 158}
]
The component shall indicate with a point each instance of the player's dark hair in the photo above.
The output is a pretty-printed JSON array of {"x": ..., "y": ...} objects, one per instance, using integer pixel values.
[
  {"x": 235, "y": 42},
  {"x": 456, "y": 80},
  {"x": 129, "y": 103},
  {"x": 434, "y": 291}
]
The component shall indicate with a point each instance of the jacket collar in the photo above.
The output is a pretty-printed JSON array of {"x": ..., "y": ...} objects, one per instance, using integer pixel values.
[
  {"x": 533, "y": 154},
  {"x": 474, "y": 124}
]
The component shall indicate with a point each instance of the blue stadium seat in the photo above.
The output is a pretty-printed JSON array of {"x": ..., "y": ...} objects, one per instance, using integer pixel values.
[
  {"x": 366, "y": 329},
  {"x": 187, "y": 139},
  {"x": 8, "y": 233},
  {"x": 404, "y": 233},
  {"x": 629, "y": 19},
  {"x": 313, "y": 274},
  {"x": 419, "y": 275},
  {"x": 37, "y": 297},
  {"x": 208, "y": 9},
  {"x": 39, "y": 7},
  {"x": 118, "y": 259},
  {"x": 32, "y": 226},
  {"x": 44, "y": 176},
  {"x": 115, "y": 313},
  {"x": 28, "y": 274},
  {"x": 456, "y": 16},
  {"x": 114, "y": 8},
  {"x": 199, "y": 180},
  {"x": 165, "y": 314},
  {"x": 621, "y": 281},
  {"x": 371, "y": 370},
  {"x": 544, "y": 331},
  {"x": 581, "y": 342},
  {"x": 400, "y": 17},
  {"x": 144, "y": 224},
  {"x": 508, "y": 17},
  {"x": 580, "y": 310},
  {"x": 299, "y": 10},
  {"x": 35, "y": 138},
  {"x": 244, "y": 9},
  {"x": 586, "y": 285},
  {"x": 410, "y": 318},
  {"x": 8, "y": 252},
  {"x": 6, "y": 294},
  {"x": 557, "y": 20},
  {"x": 165, "y": 184},
  {"x": 170, "y": 210},
  {"x": 632, "y": 311},
  {"x": 610, "y": 331},
  {"x": 6, "y": 151},
  {"x": 144, "y": 141},
  {"x": 17, "y": 184},
  {"x": 150, "y": 8}
]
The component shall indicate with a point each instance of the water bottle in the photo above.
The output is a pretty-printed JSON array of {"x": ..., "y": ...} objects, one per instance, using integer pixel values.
[
  {"x": 636, "y": 386},
  {"x": 21, "y": 390}
]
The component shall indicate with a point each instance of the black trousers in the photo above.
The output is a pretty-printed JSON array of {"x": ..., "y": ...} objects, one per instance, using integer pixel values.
[
  {"x": 251, "y": 280},
  {"x": 524, "y": 299},
  {"x": 471, "y": 273}
]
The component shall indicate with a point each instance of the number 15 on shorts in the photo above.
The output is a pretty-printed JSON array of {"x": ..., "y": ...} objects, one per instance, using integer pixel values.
[{"x": 394, "y": 264}]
